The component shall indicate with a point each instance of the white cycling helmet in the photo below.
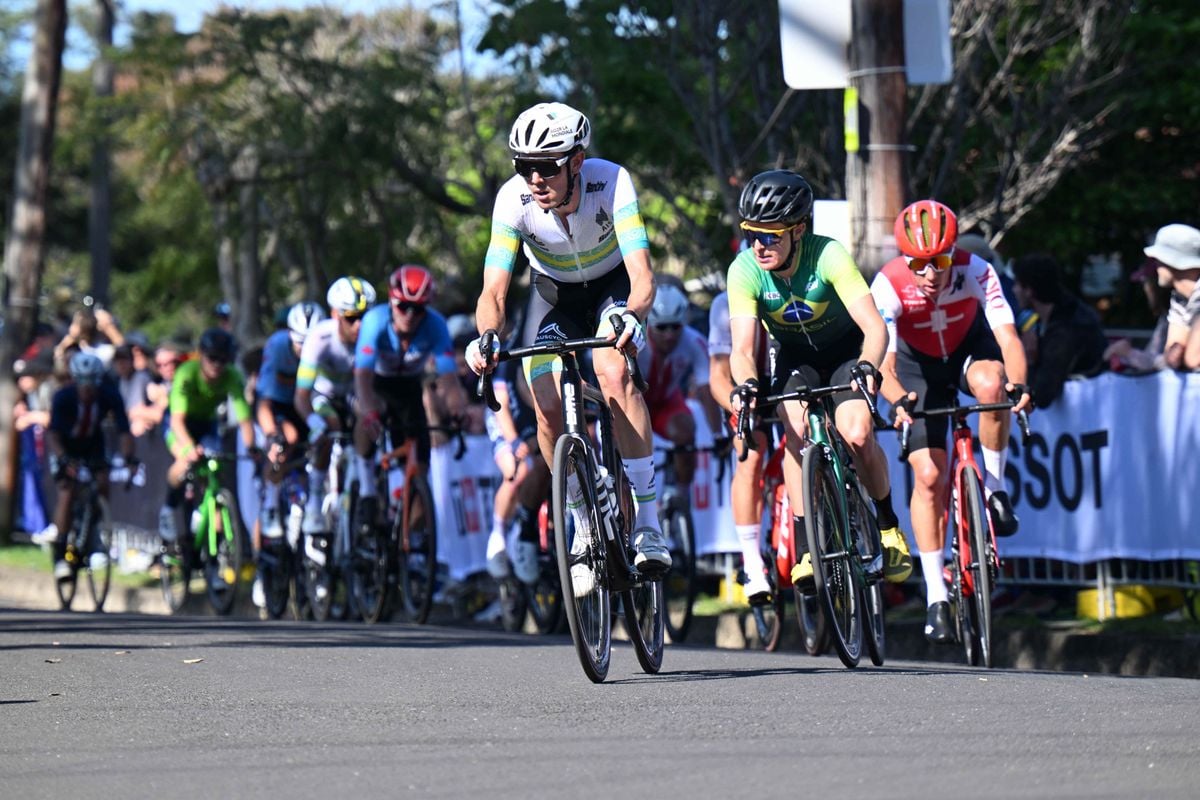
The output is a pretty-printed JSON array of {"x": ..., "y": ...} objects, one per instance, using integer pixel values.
[
  {"x": 549, "y": 129},
  {"x": 301, "y": 318},
  {"x": 350, "y": 295},
  {"x": 86, "y": 368},
  {"x": 670, "y": 307}
]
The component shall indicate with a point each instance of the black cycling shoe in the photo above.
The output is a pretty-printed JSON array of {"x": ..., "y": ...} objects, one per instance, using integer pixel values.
[
  {"x": 1004, "y": 521},
  {"x": 938, "y": 628}
]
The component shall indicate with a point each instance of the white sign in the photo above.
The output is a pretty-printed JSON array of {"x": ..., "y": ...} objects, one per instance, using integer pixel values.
[
  {"x": 928, "y": 55},
  {"x": 815, "y": 41}
]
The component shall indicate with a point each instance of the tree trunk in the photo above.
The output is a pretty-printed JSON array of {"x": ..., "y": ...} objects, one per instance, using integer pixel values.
[
  {"x": 875, "y": 182},
  {"x": 100, "y": 210},
  {"x": 25, "y": 247}
]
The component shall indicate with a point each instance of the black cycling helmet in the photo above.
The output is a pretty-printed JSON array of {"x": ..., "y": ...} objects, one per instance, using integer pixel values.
[
  {"x": 218, "y": 345},
  {"x": 778, "y": 195}
]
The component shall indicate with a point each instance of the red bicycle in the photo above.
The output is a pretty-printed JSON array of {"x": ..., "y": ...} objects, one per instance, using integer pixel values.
[{"x": 975, "y": 561}]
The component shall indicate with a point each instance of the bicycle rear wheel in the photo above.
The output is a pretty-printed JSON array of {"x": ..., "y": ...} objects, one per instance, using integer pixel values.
[
  {"x": 513, "y": 604},
  {"x": 175, "y": 571},
  {"x": 417, "y": 554},
  {"x": 828, "y": 542},
  {"x": 65, "y": 588},
  {"x": 274, "y": 568},
  {"x": 99, "y": 542},
  {"x": 679, "y": 584},
  {"x": 576, "y": 526},
  {"x": 814, "y": 625},
  {"x": 369, "y": 571},
  {"x": 980, "y": 566},
  {"x": 545, "y": 596},
  {"x": 643, "y": 610},
  {"x": 768, "y": 617}
]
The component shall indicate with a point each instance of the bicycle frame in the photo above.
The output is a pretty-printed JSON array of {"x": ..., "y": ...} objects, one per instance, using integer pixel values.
[
  {"x": 963, "y": 459},
  {"x": 215, "y": 517}
]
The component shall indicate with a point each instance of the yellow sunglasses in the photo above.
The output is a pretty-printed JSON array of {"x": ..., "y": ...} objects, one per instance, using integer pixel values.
[{"x": 940, "y": 262}]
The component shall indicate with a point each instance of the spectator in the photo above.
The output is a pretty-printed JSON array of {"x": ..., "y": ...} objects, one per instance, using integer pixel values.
[
  {"x": 1176, "y": 251},
  {"x": 147, "y": 415},
  {"x": 142, "y": 351},
  {"x": 223, "y": 314},
  {"x": 31, "y": 417},
  {"x": 1121, "y": 355},
  {"x": 92, "y": 331},
  {"x": 131, "y": 383},
  {"x": 1069, "y": 339}
]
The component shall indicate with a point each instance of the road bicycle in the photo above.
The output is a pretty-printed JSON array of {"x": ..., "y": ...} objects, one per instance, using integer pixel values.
[
  {"x": 593, "y": 515},
  {"x": 843, "y": 536},
  {"x": 89, "y": 541},
  {"x": 974, "y": 559},
  {"x": 279, "y": 560},
  {"x": 543, "y": 600},
  {"x": 394, "y": 556},
  {"x": 214, "y": 543},
  {"x": 326, "y": 555}
]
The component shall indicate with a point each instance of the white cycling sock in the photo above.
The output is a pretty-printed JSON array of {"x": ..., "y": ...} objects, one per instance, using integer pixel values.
[
  {"x": 751, "y": 555},
  {"x": 640, "y": 472},
  {"x": 270, "y": 497},
  {"x": 935, "y": 584},
  {"x": 366, "y": 475},
  {"x": 498, "y": 526},
  {"x": 993, "y": 470}
]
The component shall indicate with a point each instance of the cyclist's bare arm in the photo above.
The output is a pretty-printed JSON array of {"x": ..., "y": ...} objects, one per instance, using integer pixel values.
[
  {"x": 489, "y": 310},
  {"x": 875, "y": 334},
  {"x": 1013, "y": 353},
  {"x": 720, "y": 382},
  {"x": 744, "y": 331},
  {"x": 641, "y": 283},
  {"x": 303, "y": 402}
]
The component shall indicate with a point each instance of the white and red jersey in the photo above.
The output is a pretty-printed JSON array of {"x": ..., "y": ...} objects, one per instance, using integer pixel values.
[
  {"x": 680, "y": 370},
  {"x": 936, "y": 326}
]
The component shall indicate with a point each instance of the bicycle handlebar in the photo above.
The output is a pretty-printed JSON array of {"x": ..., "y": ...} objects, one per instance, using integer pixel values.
[
  {"x": 961, "y": 412},
  {"x": 487, "y": 348}
]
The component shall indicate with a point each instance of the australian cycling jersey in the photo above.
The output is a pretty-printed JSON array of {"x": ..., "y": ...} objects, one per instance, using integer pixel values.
[
  {"x": 277, "y": 376},
  {"x": 197, "y": 399},
  {"x": 677, "y": 371},
  {"x": 937, "y": 326},
  {"x": 605, "y": 228},
  {"x": 381, "y": 349},
  {"x": 326, "y": 362},
  {"x": 806, "y": 313}
]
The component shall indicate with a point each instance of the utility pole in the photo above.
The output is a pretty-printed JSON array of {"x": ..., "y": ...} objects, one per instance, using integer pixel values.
[
  {"x": 875, "y": 171},
  {"x": 100, "y": 209}
]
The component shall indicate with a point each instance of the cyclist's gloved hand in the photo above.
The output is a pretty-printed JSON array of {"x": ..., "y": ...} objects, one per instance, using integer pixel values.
[
  {"x": 749, "y": 388},
  {"x": 634, "y": 332},
  {"x": 1019, "y": 394},
  {"x": 474, "y": 354},
  {"x": 865, "y": 369},
  {"x": 906, "y": 405},
  {"x": 316, "y": 427}
]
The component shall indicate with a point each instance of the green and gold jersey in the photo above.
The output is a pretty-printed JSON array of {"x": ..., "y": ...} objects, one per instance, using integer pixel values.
[{"x": 807, "y": 313}]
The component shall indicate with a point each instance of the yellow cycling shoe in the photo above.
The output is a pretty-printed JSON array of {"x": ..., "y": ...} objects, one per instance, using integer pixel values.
[
  {"x": 898, "y": 562},
  {"x": 802, "y": 574},
  {"x": 248, "y": 572}
]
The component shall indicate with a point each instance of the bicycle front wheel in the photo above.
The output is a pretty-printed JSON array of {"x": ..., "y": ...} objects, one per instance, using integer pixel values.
[
  {"x": 980, "y": 566},
  {"x": 829, "y": 546},
  {"x": 582, "y": 569},
  {"x": 417, "y": 556},
  {"x": 679, "y": 585},
  {"x": 222, "y": 568},
  {"x": 175, "y": 573},
  {"x": 99, "y": 560},
  {"x": 870, "y": 552}
]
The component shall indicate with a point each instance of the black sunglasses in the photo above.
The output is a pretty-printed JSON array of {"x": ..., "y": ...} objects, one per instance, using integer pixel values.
[
  {"x": 668, "y": 326},
  {"x": 405, "y": 307},
  {"x": 546, "y": 167},
  {"x": 765, "y": 239},
  {"x": 353, "y": 318}
]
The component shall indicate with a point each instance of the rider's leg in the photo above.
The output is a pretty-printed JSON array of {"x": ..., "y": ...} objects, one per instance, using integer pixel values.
[
  {"x": 745, "y": 495},
  {"x": 631, "y": 427},
  {"x": 928, "y": 516},
  {"x": 986, "y": 381}
]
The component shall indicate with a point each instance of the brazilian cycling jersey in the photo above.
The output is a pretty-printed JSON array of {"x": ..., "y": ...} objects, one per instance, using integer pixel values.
[
  {"x": 78, "y": 422},
  {"x": 381, "y": 350},
  {"x": 197, "y": 399},
  {"x": 806, "y": 313},
  {"x": 326, "y": 362},
  {"x": 277, "y": 376},
  {"x": 605, "y": 228}
]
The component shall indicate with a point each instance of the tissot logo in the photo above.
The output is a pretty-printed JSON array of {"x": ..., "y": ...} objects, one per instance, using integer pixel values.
[
  {"x": 598, "y": 186},
  {"x": 797, "y": 311}
]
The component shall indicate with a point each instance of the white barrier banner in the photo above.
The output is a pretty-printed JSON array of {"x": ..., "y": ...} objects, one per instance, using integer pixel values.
[
  {"x": 1112, "y": 471},
  {"x": 464, "y": 492}
]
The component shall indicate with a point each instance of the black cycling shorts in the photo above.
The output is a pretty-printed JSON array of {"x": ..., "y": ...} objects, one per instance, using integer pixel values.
[{"x": 404, "y": 397}]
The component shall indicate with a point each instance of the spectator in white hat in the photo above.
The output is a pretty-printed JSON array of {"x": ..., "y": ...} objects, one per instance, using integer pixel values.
[{"x": 1176, "y": 250}]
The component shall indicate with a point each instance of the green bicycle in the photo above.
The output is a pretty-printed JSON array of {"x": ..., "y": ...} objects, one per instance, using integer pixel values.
[
  {"x": 216, "y": 545},
  {"x": 843, "y": 535}
]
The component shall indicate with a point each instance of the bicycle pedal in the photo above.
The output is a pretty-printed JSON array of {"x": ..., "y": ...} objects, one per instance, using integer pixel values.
[
  {"x": 652, "y": 571},
  {"x": 760, "y": 599}
]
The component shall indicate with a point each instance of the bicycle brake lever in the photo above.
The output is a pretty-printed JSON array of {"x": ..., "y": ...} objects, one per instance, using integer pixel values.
[
  {"x": 631, "y": 364},
  {"x": 483, "y": 389}
]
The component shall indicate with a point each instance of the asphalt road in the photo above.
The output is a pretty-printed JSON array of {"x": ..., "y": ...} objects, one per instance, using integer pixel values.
[{"x": 124, "y": 706}]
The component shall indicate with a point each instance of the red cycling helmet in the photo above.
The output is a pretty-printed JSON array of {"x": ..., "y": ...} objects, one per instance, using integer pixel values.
[
  {"x": 411, "y": 284},
  {"x": 926, "y": 228}
]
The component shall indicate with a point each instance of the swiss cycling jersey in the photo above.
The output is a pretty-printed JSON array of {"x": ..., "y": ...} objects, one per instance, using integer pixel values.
[
  {"x": 326, "y": 362},
  {"x": 79, "y": 423},
  {"x": 605, "y": 228},
  {"x": 937, "y": 326},
  {"x": 677, "y": 371},
  {"x": 277, "y": 376},
  {"x": 197, "y": 399},
  {"x": 381, "y": 349},
  {"x": 806, "y": 313}
]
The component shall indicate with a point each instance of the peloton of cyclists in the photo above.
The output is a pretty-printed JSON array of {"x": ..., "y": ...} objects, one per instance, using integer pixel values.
[{"x": 930, "y": 297}]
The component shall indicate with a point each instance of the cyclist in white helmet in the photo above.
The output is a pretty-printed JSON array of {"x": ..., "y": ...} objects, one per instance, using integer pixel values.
[
  {"x": 325, "y": 379},
  {"x": 275, "y": 409},
  {"x": 578, "y": 221},
  {"x": 676, "y": 367}
]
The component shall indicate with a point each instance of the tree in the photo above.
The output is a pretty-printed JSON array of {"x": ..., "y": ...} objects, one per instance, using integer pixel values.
[{"x": 24, "y": 247}]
